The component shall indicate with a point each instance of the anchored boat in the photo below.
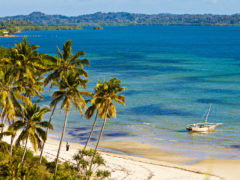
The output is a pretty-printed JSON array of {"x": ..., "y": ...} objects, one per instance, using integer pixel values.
[{"x": 203, "y": 127}]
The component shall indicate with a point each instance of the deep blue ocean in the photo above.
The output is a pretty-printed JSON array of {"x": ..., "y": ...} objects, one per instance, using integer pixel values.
[{"x": 172, "y": 74}]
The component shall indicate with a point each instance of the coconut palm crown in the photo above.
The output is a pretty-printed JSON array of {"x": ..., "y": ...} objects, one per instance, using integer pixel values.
[
  {"x": 26, "y": 66},
  {"x": 106, "y": 93},
  {"x": 10, "y": 93},
  {"x": 69, "y": 93},
  {"x": 65, "y": 61},
  {"x": 31, "y": 122}
]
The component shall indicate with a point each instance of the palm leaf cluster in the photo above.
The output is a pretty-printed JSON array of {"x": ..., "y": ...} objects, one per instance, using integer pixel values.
[
  {"x": 32, "y": 125},
  {"x": 23, "y": 74},
  {"x": 106, "y": 93}
]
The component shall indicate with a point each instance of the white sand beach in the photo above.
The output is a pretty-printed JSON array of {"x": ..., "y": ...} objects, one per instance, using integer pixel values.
[{"x": 136, "y": 168}]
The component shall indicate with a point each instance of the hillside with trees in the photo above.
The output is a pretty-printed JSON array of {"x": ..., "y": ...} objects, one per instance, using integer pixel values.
[{"x": 124, "y": 18}]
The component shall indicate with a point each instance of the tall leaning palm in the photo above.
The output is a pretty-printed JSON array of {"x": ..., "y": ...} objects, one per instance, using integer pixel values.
[
  {"x": 31, "y": 125},
  {"x": 106, "y": 93},
  {"x": 58, "y": 67},
  {"x": 70, "y": 95},
  {"x": 88, "y": 114}
]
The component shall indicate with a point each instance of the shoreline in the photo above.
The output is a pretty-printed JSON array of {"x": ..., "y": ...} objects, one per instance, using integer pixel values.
[
  {"x": 8, "y": 36},
  {"x": 134, "y": 160},
  {"x": 131, "y": 167},
  {"x": 222, "y": 168}
]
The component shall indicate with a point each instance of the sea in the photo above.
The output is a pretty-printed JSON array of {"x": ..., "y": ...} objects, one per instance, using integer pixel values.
[{"x": 172, "y": 75}]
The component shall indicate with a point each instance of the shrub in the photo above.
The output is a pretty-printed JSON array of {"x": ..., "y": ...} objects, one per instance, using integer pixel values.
[
  {"x": 11, "y": 168},
  {"x": 83, "y": 160}
]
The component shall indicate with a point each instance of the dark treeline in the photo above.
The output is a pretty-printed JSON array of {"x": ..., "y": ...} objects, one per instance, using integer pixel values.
[
  {"x": 13, "y": 26},
  {"x": 124, "y": 18}
]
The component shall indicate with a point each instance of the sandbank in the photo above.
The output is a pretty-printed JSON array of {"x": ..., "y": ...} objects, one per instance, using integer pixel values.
[{"x": 146, "y": 150}]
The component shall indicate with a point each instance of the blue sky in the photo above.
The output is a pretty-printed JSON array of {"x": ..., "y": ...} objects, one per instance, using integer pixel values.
[{"x": 78, "y": 7}]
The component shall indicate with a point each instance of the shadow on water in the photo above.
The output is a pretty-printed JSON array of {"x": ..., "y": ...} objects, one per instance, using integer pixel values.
[
  {"x": 118, "y": 134},
  {"x": 155, "y": 109},
  {"x": 182, "y": 131},
  {"x": 210, "y": 101},
  {"x": 234, "y": 146},
  {"x": 78, "y": 134},
  {"x": 134, "y": 92},
  {"x": 81, "y": 128},
  {"x": 197, "y": 79},
  {"x": 221, "y": 91},
  {"x": 81, "y": 134}
]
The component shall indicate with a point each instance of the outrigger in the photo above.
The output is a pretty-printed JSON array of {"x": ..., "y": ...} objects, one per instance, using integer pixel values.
[{"x": 203, "y": 127}]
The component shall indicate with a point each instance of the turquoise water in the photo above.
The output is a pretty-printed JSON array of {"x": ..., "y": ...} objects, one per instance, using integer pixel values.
[{"x": 172, "y": 74}]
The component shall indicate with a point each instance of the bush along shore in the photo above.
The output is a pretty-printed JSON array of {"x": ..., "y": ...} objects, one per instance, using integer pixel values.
[{"x": 23, "y": 74}]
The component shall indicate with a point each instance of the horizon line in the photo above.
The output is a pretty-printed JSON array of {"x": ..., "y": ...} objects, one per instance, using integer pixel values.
[{"x": 109, "y": 12}]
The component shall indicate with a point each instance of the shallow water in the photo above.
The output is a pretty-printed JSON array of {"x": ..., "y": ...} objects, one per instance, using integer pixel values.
[{"x": 172, "y": 74}]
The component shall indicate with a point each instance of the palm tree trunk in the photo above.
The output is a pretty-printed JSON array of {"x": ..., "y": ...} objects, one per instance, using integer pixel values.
[
  {"x": 90, "y": 135},
  {"x": 59, "y": 148},
  {"x": 2, "y": 113},
  {"x": 47, "y": 133},
  {"x": 99, "y": 138},
  {"x": 3, "y": 122},
  {"x": 10, "y": 150},
  {"x": 25, "y": 149},
  {"x": 12, "y": 137}
]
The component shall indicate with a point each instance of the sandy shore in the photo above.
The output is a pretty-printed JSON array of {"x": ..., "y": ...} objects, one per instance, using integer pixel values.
[
  {"x": 222, "y": 168},
  {"x": 9, "y": 36},
  {"x": 146, "y": 150},
  {"x": 124, "y": 167}
]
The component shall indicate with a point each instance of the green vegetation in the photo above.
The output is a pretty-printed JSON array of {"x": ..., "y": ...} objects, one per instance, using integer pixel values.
[
  {"x": 124, "y": 19},
  {"x": 40, "y": 28},
  {"x": 10, "y": 27},
  {"x": 98, "y": 28},
  {"x": 3, "y": 52},
  {"x": 23, "y": 74},
  {"x": 11, "y": 168}
]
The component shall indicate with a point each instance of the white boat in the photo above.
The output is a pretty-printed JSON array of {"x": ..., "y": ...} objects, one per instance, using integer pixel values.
[{"x": 203, "y": 127}]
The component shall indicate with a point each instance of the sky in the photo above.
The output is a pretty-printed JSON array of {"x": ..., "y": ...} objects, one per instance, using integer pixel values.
[{"x": 79, "y": 7}]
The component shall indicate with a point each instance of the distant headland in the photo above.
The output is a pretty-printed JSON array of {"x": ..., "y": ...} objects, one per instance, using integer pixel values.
[{"x": 127, "y": 19}]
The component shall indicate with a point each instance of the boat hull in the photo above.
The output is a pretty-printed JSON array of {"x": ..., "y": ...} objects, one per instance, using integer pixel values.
[{"x": 202, "y": 129}]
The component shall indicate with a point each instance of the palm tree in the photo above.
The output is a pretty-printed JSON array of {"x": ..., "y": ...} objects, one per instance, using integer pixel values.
[
  {"x": 9, "y": 95},
  {"x": 59, "y": 67},
  {"x": 70, "y": 95},
  {"x": 32, "y": 124},
  {"x": 105, "y": 94},
  {"x": 26, "y": 66},
  {"x": 65, "y": 62},
  {"x": 24, "y": 60}
]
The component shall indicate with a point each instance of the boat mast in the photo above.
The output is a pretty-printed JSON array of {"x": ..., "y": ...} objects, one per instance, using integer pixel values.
[{"x": 208, "y": 113}]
